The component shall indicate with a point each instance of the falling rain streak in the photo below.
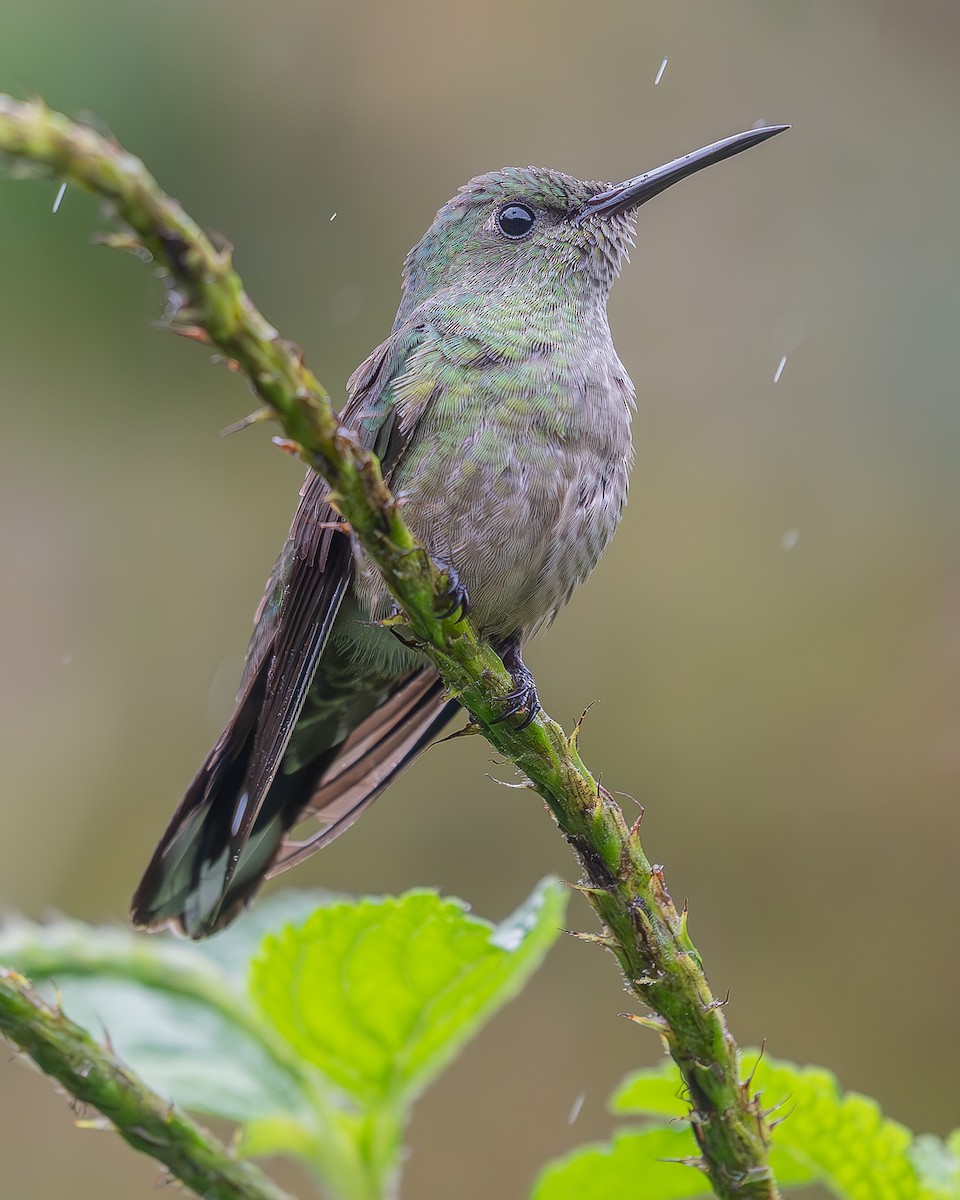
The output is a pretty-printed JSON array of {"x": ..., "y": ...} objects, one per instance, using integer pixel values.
[
  {"x": 663, "y": 67},
  {"x": 60, "y": 195},
  {"x": 779, "y": 371}
]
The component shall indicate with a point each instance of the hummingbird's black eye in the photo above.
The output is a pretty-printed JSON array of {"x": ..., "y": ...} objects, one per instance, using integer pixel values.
[{"x": 516, "y": 221}]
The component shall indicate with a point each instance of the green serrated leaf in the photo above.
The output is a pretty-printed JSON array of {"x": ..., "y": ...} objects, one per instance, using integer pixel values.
[
  {"x": 279, "y": 1134},
  {"x": 380, "y": 994},
  {"x": 938, "y": 1166},
  {"x": 635, "y": 1165},
  {"x": 234, "y": 948},
  {"x": 652, "y": 1092},
  {"x": 838, "y": 1139},
  {"x": 170, "y": 1011},
  {"x": 185, "y": 1050}
]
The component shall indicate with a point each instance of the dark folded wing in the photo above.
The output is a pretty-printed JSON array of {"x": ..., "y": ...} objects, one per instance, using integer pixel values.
[
  {"x": 208, "y": 834},
  {"x": 217, "y": 845}
]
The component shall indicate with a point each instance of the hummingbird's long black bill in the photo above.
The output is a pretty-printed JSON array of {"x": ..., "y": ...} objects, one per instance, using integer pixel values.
[{"x": 634, "y": 192}]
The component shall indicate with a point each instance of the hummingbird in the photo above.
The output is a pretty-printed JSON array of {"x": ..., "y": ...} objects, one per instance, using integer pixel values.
[{"x": 501, "y": 415}]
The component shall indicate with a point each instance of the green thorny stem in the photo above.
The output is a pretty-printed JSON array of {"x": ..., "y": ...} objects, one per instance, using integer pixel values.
[
  {"x": 92, "y": 1074},
  {"x": 641, "y": 925}
]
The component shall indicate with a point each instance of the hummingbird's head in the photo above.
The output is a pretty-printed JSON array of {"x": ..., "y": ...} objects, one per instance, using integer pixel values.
[{"x": 529, "y": 227}]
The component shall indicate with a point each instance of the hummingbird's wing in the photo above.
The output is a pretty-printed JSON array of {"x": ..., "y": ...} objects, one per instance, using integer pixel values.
[
  {"x": 224, "y": 835},
  {"x": 208, "y": 837}
]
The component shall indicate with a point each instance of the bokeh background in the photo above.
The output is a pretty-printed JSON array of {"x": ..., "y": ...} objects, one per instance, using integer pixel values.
[{"x": 773, "y": 640}]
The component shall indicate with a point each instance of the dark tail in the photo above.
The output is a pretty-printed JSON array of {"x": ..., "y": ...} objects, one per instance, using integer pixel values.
[{"x": 211, "y": 861}]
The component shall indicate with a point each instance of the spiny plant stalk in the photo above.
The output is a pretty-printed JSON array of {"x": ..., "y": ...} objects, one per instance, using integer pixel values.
[
  {"x": 640, "y": 924},
  {"x": 92, "y": 1074}
]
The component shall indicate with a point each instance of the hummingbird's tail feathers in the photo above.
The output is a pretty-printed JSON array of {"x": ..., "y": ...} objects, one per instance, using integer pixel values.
[
  {"x": 232, "y": 819},
  {"x": 382, "y": 746},
  {"x": 203, "y": 874},
  {"x": 184, "y": 881}
]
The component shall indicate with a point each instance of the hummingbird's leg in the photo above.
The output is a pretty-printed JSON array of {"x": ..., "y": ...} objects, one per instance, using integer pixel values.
[
  {"x": 455, "y": 598},
  {"x": 524, "y": 696}
]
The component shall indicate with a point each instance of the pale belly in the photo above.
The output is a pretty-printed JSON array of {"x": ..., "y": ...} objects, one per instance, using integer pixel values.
[{"x": 522, "y": 521}]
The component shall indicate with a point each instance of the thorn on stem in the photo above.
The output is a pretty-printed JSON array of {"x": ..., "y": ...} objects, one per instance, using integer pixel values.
[
  {"x": 595, "y": 939},
  {"x": 684, "y": 936},
  {"x": 692, "y": 1161},
  {"x": 222, "y": 244},
  {"x": 780, "y": 1120},
  {"x": 574, "y": 738},
  {"x": 604, "y": 793},
  {"x": 254, "y": 418},
  {"x": 121, "y": 240},
  {"x": 768, "y": 1112},
  {"x": 468, "y": 730},
  {"x": 748, "y": 1082},
  {"x": 230, "y": 363},
  {"x": 523, "y": 784},
  {"x": 657, "y": 1024},
  {"x": 334, "y": 500},
  {"x": 100, "y": 1124},
  {"x": 193, "y": 333},
  {"x": 588, "y": 890}
]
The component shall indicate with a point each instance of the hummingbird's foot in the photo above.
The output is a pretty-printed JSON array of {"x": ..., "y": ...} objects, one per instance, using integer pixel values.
[
  {"x": 454, "y": 598},
  {"x": 523, "y": 698}
]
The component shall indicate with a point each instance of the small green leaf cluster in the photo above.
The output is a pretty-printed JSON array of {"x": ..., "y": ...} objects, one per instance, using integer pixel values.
[
  {"x": 313, "y": 1024},
  {"x": 821, "y": 1135}
]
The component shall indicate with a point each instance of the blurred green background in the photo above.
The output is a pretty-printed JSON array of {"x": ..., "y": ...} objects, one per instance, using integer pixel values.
[{"x": 773, "y": 640}]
